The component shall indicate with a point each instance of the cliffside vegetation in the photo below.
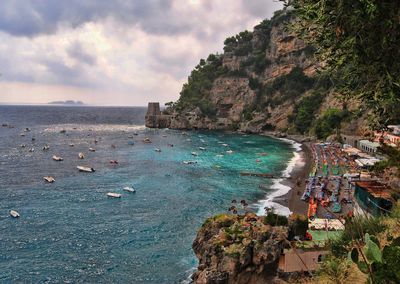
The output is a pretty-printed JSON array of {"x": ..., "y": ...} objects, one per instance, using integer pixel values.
[{"x": 359, "y": 42}]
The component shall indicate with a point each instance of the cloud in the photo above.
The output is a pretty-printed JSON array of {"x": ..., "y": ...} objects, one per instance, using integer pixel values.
[
  {"x": 78, "y": 52},
  {"x": 135, "y": 50}
]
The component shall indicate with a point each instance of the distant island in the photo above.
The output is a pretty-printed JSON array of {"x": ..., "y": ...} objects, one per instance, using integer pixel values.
[{"x": 68, "y": 102}]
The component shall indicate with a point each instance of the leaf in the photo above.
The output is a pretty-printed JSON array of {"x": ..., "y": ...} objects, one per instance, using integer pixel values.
[
  {"x": 372, "y": 252},
  {"x": 366, "y": 237},
  {"x": 362, "y": 266}
]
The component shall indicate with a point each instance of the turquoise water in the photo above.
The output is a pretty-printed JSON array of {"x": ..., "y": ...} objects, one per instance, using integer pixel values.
[{"x": 70, "y": 231}]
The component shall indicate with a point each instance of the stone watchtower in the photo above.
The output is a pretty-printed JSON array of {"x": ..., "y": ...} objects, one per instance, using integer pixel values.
[{"x": 154, "y": 118}]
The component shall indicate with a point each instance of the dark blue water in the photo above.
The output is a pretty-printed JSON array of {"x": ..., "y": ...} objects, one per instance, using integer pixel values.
[{"x": 70, "y": 231}]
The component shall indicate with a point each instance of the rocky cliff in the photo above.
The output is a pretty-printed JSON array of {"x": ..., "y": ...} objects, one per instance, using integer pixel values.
[
  {"x": 238, "y": 249},
  {"x": 259, "y": 83}
]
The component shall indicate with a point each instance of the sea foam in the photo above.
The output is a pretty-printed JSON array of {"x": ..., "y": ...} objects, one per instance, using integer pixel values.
[{"x": 279, "y": 188}]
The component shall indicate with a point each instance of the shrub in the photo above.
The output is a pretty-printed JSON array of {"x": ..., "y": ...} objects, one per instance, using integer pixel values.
[{"x": 275, "y": 219}]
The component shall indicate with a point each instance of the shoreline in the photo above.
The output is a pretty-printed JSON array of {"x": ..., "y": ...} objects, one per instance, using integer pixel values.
[{"x": 292, "y": 180}]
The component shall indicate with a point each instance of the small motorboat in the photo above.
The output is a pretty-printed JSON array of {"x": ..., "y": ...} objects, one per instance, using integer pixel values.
[
  {"x": 147, "y": 140},
  {"x": 81, "y": 156},
  {"x": 49, "y": 179},
  {"x": 202, "y": 141},
  {"x": 225, "y": 145},
  {"x": 114, "y": 162},
  {"x": 164, "y": 135},
  {"x": 96, "y": 141},
  {"x": 92, "y": 150},
  {"x": 27, "y": 129},
  {"x": 23, "y": 146},
  {"x": 194, "y": 154},
  {"x": 46, "y": 147},
  {"x": 131, "y": 143},
  {"x": 130, "y": 136},
  {"x": 63, "y": 131},
  {"x": 229, "y": 151},
  {"x": 31, "y": 150},
  {"x": 57, "y": 158},
  {"x": 129, "y": 189},
  {"x": 114, "y": 194},
  {"x": 189, "y": 162},
  {"x": 170, "y": 145},
  {"x": 14, "y": 214},
  {"x": 22, "y": 134},
  {"x": 157, "y": 150},
  {"x": 71, "y": 145},
  {"x": 85, "y": 169},
  {"x": 202, "y": 148},
  {"x": 135, "y": 133}
]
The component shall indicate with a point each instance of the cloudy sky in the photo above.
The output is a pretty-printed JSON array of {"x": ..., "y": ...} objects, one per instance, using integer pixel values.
[{"x": 120, "y": 52}]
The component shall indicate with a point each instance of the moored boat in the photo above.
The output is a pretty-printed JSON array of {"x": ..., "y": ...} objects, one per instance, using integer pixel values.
[
  {"x": 157, "y": 149},
  {"x": 81, "y": 156},
  {"x": 114, "y": 194},
  {"x": 129, "y": 189},
  {"x": 14, "y": 214},
  {"x": 147, "y": 140},
  {"x": 49, "y": 179},
  {"x": 92, "y": 150},
  {"x": 85, "y": 169},
  {"x": 57, "y": 158},
  {"x": 194, "y": 154}
]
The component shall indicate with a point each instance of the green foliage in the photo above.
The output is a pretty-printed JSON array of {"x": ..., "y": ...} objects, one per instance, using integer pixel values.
[
  {"x": 359, "y": 40},
  {"x": 248, "y": 113},
  {"x": 305, "y": 111},
  {"x": 275, "y": 219},
  {"x": 381, "y": 265},
  {"x": 290, "y": 86},
  {"x": 195, "y": 92},
  {"x": 355, "y": 229},
  {"x": 254, "y": 84},
  {"x": 393, "y": 160},
  {"x": 329, "y": 122}
]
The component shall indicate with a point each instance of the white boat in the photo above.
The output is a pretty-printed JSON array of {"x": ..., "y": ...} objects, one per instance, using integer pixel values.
[
  {"x": 129, "y": 189},
  {"x": 202, "y": 148},
  {"x": 46, "y": 147},
  {"x": 49, "y": 179},
  {"x": 157, "y": 149},
  {"x": 113, "y": 194},
  {"x": 71, "y": 145},
  {"x": 57, "y": 158},
  {"x": 31, "y": 150},
  {"x": 14, "y": 214},
  {"x": 202, "y": 141},
  {"x": 164, "y": 135},
  {"x": 229, "y": 151},
  {"x": 81, "y": 156},
  {"x": 85, "y": 169},
  {"x": 92, "y": 150},
  {"x": 194, "y": 154},
  {"x": 225, "y": 145},
  {"x": 22, "y": 134},
  {"x": 147, "y": 140},
  {"x": 189, "y": 162},
  {"x": 23, "y": 146}
]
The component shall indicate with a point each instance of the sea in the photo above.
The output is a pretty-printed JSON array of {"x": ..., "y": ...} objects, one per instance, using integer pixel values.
[{"x": 71, "y": 232}]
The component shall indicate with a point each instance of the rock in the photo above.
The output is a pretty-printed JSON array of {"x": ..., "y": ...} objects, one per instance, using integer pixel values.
[{"x": 237, "y": 249}]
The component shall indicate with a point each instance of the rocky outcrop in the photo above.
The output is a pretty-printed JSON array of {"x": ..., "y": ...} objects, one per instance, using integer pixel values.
[
  {"x": 249, "y": 64},
  {"x": 238, "y": 249}
]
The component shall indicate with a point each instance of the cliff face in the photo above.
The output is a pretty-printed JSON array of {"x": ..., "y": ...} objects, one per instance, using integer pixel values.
[
  {"x": 250, "y": 89},
  {"x": 237, "y": 249}
]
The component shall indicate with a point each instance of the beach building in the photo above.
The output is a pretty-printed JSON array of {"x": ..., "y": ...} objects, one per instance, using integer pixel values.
[
  {"x": 387, "y": 138},
  {"x": 373, "y": 197},
  {"x": 368, "y": 146},
  {"x": 351, "y": 140},
  {"x": 301, "y": 260},
  {"x": 395, "y": 129}
]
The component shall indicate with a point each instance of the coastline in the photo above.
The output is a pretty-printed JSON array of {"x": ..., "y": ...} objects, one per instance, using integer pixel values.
[{"x": 286, "y": 197}]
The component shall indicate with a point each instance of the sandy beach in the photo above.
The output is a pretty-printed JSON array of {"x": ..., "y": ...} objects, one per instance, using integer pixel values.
[{"x": 296, "y": 182}]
